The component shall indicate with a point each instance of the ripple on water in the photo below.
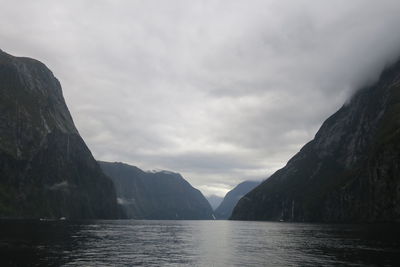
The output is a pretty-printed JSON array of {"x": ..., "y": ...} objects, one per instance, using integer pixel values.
[{"x": 196, "y": 243}]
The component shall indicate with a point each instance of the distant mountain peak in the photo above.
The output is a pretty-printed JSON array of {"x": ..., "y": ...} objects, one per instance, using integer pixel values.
[
  {"x": 214, "y": 201},
  {"x": 224, "y": 210}
]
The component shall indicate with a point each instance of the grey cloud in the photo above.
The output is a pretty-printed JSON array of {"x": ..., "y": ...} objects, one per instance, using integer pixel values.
[{"x": 221, "y": 91}]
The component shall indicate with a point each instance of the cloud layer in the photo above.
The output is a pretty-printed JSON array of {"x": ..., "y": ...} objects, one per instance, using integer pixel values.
[{"x": 220, "y": 91}]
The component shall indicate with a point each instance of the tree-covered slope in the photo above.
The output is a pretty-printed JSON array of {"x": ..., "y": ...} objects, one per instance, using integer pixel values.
[
  {"x": 46, "y": 170},
  {"x": 349, "y": 172},
  {"x": 156, "y": 195}
]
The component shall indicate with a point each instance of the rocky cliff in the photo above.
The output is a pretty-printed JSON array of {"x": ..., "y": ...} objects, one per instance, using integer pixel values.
[
  {"x": 350, "y": 171},
  {"x": 46, "y": 170},
  {"x": 231, "y": 198},
  {"x": 156, "y": 195}
]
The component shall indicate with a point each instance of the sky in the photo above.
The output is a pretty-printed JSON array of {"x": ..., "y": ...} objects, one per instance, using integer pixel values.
[{"x": 220, "y": 91}]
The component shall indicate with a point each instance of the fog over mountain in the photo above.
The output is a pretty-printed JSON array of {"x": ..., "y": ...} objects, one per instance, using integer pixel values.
[{"x": 219, "y": 91}]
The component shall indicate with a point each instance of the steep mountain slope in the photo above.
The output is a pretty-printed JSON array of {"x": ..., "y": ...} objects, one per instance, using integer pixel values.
[
  {"x": 46, "y": 170},
  {"x": 231, "y": 198},
  {"x": 349, "y": 172},
  {"x": 214, "y": 201},
  {"x": 156, "y": 196}
]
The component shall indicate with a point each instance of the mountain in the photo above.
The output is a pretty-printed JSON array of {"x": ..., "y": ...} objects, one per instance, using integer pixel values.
[
  {"x": 350, "y": 171},
  {"x": 46, "y": 170},
  {"x": 156, "y": 195},
  {"x": 231, "y": 198},
  {"x": 214, "y": 201}
]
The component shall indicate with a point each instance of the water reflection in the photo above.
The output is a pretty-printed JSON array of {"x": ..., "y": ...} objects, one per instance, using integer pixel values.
[
  {"x": 196, "y": 243},
  {"x": 36, "y": 243}
]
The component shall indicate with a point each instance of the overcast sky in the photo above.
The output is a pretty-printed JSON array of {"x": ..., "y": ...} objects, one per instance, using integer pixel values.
[{"x": 220, "y": 91}]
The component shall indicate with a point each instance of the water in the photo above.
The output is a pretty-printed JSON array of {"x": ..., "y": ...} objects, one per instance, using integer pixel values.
[{"x": 196, "y": 243}]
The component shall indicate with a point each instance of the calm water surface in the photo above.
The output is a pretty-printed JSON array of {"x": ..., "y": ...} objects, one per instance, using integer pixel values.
[{"x": 196, "y": 243}]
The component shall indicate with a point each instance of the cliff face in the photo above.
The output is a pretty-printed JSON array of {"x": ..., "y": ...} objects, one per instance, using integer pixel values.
[
  {"x": 231, "y": 198},
  {"x": 46, "y": 170},
  {"x": 350, "y": 172},
  {"x": 156, "y": 196}
]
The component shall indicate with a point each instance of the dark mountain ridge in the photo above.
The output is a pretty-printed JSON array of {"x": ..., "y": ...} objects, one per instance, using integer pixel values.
[
  {"x": 160, "y": 195},
  {"x": 231, "y": 198},
  {"x": 46, "y": 169},
  {"x": 349, "y": 172}
]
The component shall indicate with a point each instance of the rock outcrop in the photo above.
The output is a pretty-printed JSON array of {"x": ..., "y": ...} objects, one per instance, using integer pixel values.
[
  {"x": 350, "y": 171},
  {"x": 46, "y": 170}
]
